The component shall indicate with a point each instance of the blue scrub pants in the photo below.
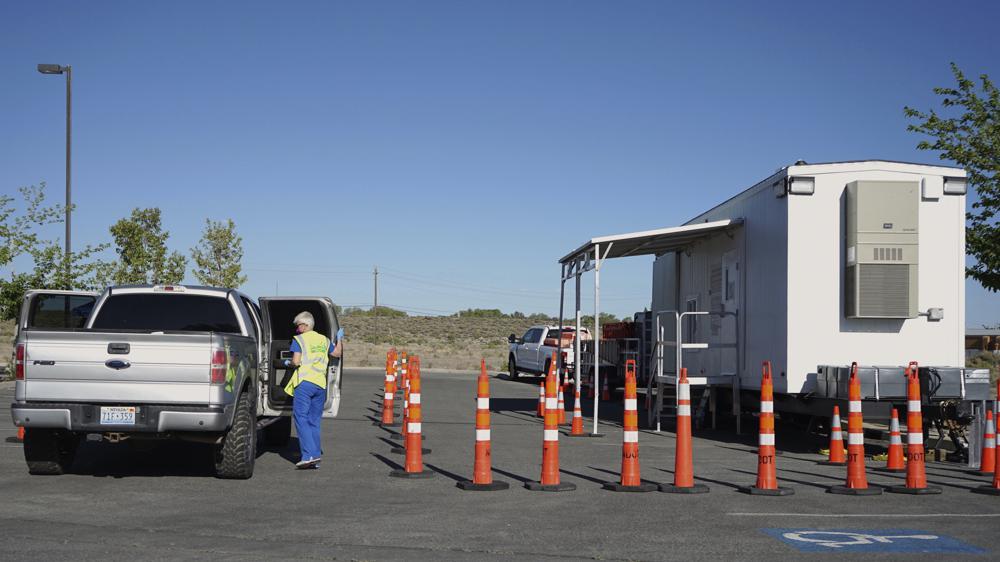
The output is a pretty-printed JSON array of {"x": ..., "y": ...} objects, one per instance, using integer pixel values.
[{"x": 307, "y": 410}]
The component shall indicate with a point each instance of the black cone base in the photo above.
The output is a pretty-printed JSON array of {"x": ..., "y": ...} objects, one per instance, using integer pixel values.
[
  {"x": 845, "y": 491},
  {"x": 925, "y": 491},
  {"x": 755, "y": 491},
  {"x": 560, "y": 487},
  {"x": 470, "y": 486},
  {"x": 831, "y": 463},
  {"x": 616, "y": 487},
  {"x": 401, "y": 450},
  {"x": 988, "y": 490},
  {"x": 979, "y": 473},
  {"x": 400, "y": 473},
  {"x": 890, "y": 470},
  {"x": 696, "y": 489}
]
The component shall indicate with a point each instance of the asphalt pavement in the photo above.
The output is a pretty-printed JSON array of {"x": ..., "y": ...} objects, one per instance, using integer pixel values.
[{"x": 127, "y": 501}]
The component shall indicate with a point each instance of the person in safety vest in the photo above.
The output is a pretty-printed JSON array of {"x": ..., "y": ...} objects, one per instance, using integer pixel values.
[{"x": 311, "y": 352}]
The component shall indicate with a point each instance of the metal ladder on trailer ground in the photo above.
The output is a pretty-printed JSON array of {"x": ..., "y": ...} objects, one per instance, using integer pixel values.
[{"x": 661, "y": 385}]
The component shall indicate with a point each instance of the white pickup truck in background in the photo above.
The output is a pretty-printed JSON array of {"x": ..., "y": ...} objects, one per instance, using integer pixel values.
[
  {"x": 159, "y": 362},
  {"x": 532, "y": 353}
]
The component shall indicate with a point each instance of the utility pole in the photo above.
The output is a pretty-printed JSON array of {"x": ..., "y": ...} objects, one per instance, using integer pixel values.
[{"x": 375, "y": 309}]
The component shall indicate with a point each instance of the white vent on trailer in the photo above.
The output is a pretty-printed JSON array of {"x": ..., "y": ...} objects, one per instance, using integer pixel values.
[{"x": 880, "y": 279}]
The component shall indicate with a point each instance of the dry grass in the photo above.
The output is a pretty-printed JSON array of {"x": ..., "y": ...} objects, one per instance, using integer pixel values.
[{"x": 441, "y": 342}]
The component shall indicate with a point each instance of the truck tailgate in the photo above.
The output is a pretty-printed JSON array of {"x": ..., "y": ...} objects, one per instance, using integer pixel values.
[{"x": 89, "y": 366}]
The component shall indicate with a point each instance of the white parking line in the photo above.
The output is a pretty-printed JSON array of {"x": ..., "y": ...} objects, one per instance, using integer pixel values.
[{"x": 872, "y": 515}]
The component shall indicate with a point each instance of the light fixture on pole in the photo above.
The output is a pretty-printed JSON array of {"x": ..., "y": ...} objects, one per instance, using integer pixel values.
[{"x": 68, "y": 71}]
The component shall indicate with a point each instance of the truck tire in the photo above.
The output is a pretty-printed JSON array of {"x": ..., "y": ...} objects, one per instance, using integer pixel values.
[
  {"x": 49, "y": 451},
  {"x": 235, "y": 457},
  {"x": 278, "y": 433},
  {"x": 512, "y": 368}
]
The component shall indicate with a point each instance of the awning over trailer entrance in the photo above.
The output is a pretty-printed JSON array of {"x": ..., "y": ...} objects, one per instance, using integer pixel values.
[{"x": 649, "y": 242}]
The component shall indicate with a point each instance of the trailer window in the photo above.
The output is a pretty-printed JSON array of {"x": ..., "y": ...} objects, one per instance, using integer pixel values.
[{"x": 167, "y": 313}]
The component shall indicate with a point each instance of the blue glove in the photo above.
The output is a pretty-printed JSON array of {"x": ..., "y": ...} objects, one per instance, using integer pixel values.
[
  {"x": 287, "y": 362},
  {"x": 340, "y": 334}
]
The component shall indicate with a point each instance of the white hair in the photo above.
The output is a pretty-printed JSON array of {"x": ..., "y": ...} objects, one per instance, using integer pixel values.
[{"x": 305, "y": 318}]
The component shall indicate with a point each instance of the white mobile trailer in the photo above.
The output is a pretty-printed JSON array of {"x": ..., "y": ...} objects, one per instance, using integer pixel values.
[{"x": 822, "y": 264}]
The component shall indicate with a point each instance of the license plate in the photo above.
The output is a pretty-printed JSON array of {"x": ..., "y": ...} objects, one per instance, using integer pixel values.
[{"x": 118, "y": 415}]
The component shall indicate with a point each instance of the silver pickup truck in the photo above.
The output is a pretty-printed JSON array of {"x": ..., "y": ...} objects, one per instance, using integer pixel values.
[{"x": 159, "y": 362}]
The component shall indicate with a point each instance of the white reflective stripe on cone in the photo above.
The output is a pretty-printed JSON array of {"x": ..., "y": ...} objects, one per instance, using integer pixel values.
[
  {"x": 684, "y": 410},
  {"x": 631, "y": 436},
  {"x": 392, "y": 378},
  {"x": 915, "y": 438},
  {"x": 838, "y": 434},
  {"x": 631, "y": 404},
  {"x": 388, "y": 396},
  {"x": 836, "y": 420},
  {"x": 855, "y": 438},
  {"x": 413, "y": 427},
  {"x": 854, "y": 407},
  {"x": 895, "y": 440},
  {"x": 414, "y": 398},
  {"x": 482, "y": 435},
  {"x": 767, "y": 407},
  {"x": 551, "y": 404},
  {"x": 766, "y": 439},
  {"x": 990, "y": 443},
  {"x": 684, "y": 392},
  {"x": 483, "y": 403},
  {"x": 551, "y": 435},
  {"x": 913, "y": 405}
]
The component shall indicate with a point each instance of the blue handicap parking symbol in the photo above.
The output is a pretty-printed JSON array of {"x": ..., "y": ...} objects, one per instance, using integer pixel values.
[{"x": 870, "y": 540}]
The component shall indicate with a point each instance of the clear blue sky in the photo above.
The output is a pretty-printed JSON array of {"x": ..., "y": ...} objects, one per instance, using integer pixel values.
[{"x": 461, "y": 146}]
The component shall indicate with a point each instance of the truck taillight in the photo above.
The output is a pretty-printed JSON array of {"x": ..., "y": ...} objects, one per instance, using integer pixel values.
[
  {"x": 218, "y": 370},
  {"x": 19, "y": 361}
]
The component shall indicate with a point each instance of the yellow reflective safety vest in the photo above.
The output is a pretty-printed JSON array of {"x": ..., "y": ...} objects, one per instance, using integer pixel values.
[{"x": 315, "y": 357}]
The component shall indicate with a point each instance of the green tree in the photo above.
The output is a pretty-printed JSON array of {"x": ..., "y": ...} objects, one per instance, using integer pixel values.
[
  {"x": 218, "y": 255},
  {"x": 141, "y": 245},
  {"x": 19, "y": 236},
  {"x": 970, "y": 137}
]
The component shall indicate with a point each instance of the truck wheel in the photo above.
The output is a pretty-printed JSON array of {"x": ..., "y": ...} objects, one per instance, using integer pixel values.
[
  {"x": 49, "y": 451},
  {"x": 235, "y": 457},
  {"x": 278, "y": 433},
  {"x": 512, "y": 368}
]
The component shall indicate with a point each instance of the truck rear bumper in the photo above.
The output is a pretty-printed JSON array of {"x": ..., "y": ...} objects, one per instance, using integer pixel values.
[{"x": 149, "y": 418}]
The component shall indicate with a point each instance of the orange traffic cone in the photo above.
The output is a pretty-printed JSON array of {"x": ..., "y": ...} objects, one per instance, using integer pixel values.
[
  {"x": 987, "y": 462},
  {"x": 577, "y": 429},
  {"x": 562, "y": 407},
  {"x": 388, "y": 400},
  {"x": 20, "y": 434},
  {"x": 993, "y": 489},
  {"x": 550, "y": 481},
  {"x": 916, "y": 474},
  {"x": 857, "y": 482},
  {"x": 836, "y": 456},
  {"x": 895, "y": 462},
  {"x": 683, "y": 463},
  {"x": 482, "y": 470},
  {"x": 540, "y": 410},
  {"x": 404, "y": 386},
  {"x": 412, "y": 372},
  {"x": 606, "y": 392},
  {"x": 630, "y": 480},
  {"x": 414, "y": 464},
  {"x": 590, "y": 385},
  {"x": 767, "y": 477}
]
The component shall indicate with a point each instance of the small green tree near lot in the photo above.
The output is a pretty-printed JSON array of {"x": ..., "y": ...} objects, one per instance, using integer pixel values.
[
  {"x": 141, "y": 245},
  {"x": 218, "y": 256},
  {"x": 19, "y": 236},
  {"x": 970, "y": 137}
]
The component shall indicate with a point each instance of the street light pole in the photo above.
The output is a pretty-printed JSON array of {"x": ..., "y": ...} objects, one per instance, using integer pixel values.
[{"x": 68, "y": 71}]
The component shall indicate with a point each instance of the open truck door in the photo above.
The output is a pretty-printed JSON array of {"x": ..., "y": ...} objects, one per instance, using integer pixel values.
[{"x": 277, "y": 316}]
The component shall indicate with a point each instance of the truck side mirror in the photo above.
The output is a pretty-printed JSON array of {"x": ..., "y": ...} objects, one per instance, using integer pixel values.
[{"x": 512, "y": 339}]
